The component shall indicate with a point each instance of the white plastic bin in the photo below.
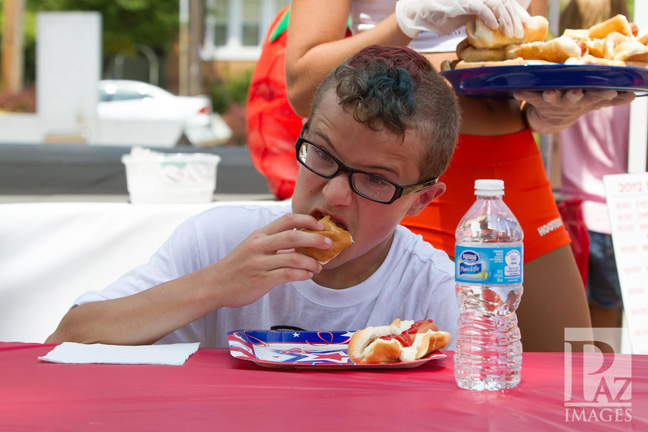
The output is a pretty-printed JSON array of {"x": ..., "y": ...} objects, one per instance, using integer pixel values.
[{"x": 163, "y": 178}]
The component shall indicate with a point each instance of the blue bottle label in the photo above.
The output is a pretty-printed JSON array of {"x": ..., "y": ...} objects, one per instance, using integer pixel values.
[{"x": 491, "y": 265}]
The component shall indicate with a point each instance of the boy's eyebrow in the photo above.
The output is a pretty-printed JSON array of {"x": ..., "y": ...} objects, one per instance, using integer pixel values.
[
  {"x": 324, "y": 137},
  {"x": 368, "y": 168}
]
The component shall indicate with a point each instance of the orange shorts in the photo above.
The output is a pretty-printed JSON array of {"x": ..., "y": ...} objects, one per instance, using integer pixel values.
[{"x": 514, "y": 158}]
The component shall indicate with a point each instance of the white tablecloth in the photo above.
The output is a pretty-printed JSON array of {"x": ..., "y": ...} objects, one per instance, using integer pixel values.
[{"x": 50, "y": 253}]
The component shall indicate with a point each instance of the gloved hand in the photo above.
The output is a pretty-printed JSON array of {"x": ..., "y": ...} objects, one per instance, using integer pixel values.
[
  {"x": 551, "y": 111},
  {"x": 444, "y": 16}
]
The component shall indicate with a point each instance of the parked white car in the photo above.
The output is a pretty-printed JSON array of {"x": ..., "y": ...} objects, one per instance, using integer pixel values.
[{"x": 125, "y": 100}]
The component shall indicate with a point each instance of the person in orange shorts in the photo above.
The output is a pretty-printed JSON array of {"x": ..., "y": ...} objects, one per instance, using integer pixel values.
[
  {"x": 495, "y": 139},
  {"x": 513, "y": 157}
]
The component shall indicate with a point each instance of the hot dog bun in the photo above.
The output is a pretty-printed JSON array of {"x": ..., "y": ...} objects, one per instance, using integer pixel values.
[
  {"x": 482, "y": 36},
  {"x": 595, "y": 47},
  {"x": 340, "y": 240},
  {"x": 624, "y": 48},
  {"x": 618, "y": 24},
  {"x": 556, "y": 51},
  {"x": 643, "y": 37},
  {"x": 366, "y": 345},
  {"x": 469, "y": 53},
  {"x": 591, "y": 60},
  {"x": 577, "y": 34},
  {"x": 631, "y": 51},
  {"x": 472, "y": 54},
  {"x": 513, "y": 62}
]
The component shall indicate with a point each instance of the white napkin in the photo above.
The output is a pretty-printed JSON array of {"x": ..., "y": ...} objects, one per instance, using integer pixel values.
[{"x": 70, "y": 352}]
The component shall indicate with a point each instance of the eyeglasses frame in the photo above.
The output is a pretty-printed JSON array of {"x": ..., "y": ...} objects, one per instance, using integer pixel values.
[{"x": 400, "y": 191}]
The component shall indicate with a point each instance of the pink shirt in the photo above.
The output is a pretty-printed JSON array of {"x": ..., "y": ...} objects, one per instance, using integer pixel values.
[{"x": 595, "y": 146}]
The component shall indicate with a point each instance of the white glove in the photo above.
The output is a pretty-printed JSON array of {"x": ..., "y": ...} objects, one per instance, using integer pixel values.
[
  {"x": 551, "y": 111},
  {"x": 444, "y": 16}
]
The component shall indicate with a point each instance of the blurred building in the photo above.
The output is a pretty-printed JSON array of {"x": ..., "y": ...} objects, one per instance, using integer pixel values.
[{"x": 234, "y": 31}]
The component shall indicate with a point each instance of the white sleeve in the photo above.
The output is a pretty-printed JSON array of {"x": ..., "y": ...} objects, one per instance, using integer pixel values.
[{"x": 176, "y": 257}]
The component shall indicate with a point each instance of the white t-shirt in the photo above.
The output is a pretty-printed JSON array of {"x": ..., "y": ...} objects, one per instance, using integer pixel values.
[
  {"x": 366, "y": 14},
  {"x": 414, "y": 282}
]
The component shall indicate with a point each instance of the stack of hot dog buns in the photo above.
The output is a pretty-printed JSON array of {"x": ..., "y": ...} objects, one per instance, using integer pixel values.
[
  {"x": 615, "y": 42},
  {"x": 400, "y": 341}
]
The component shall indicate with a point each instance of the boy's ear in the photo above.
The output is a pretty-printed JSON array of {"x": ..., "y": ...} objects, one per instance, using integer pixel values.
[{"x": 425, "y": 198}]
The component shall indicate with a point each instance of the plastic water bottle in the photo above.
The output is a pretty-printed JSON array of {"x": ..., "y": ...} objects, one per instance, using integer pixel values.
[{"x": 489, "y": 271}]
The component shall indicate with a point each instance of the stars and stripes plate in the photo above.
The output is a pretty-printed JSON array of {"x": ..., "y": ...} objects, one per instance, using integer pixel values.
[{"x": 305, "y": 349}]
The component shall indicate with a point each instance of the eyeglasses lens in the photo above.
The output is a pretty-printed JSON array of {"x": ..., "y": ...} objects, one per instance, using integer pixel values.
[
  {"x": 369, "y": 186},
  {"x": 373, "y": 187},
  {"x": 317, "y": 160}
]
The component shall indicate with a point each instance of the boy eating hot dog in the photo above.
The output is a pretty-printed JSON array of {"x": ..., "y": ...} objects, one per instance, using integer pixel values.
[{"x": 382, "y": 128}]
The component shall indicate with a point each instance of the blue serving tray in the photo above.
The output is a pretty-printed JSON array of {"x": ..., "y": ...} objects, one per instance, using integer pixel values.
[{"x": 502, "y": 81}]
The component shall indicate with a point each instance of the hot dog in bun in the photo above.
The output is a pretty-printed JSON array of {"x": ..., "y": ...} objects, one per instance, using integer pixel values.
[
  {"x": 556, "y": 51},
  {"x": 614, "y": 42},
  {"x": 340, "y": 240},
  {"x": 482, "y": 36},
  {"x": 400, "y": 341}
]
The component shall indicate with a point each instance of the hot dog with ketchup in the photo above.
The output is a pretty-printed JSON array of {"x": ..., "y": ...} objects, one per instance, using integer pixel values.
[{"x": 401, "y": 341}]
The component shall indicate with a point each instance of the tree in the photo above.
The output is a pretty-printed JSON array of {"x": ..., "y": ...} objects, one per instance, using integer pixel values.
[
  {"x": 12, "y": 44},
  {"x": 126, "y": 23}
]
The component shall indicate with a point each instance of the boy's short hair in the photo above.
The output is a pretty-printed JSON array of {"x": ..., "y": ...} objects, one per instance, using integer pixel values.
[{"x": 397, "y": 89}]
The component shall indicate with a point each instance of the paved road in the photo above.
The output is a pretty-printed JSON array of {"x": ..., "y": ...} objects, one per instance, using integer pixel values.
[{"x": 73, "y": 169}]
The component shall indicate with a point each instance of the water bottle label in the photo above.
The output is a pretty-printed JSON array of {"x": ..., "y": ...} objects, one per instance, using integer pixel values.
[{"x": 488, "y": 265}]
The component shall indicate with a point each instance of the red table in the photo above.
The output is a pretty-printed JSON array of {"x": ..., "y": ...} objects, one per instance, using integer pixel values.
[{"x": 214, "y": 391}]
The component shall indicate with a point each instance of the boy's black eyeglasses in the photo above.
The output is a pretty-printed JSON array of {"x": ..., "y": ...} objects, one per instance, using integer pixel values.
[{"x": 369, "y": 186}]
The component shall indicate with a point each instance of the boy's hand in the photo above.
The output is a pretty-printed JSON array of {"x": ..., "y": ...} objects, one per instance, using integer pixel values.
[{"x": 265, "y": 259}]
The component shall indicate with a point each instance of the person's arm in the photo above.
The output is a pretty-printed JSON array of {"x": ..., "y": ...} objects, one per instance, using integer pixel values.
[
  {"x": 317, "y": 43},
  {"x": 141, "y": 318},
  {"x": 538, "y": 7},
  {"x": 262, "y": 261}
]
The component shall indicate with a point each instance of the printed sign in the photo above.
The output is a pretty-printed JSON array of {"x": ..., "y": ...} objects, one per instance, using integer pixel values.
[{"x": 627, "y": 202}]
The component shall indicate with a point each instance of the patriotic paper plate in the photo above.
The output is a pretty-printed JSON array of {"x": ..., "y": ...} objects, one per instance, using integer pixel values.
[
  {"x": 502, "y": 81},
  {"x": 305, "y": 349}
]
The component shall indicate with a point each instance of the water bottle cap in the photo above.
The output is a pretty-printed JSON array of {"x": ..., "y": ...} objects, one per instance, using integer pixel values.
[{"x": 489, "y": 187}]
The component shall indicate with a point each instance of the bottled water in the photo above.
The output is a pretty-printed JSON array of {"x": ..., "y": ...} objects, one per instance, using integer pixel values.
[{"x": 489, "y": 271}]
